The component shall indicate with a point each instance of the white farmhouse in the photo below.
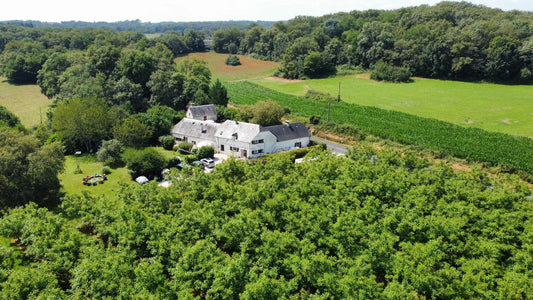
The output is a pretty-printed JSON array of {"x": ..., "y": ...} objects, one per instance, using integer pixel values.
[{"x": 239, "y": 139}]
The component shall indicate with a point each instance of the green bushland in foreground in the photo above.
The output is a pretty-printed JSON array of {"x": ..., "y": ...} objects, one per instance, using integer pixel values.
[
  {"x": 513, "y": 152},
  {"x": 493, "y": 107},
  {"x": 372, "y": 225}
]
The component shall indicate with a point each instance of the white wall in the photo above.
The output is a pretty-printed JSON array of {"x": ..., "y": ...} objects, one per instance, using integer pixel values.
[
  {"x": 289, "y": 144},
  {"x": 268, "y": 141}
]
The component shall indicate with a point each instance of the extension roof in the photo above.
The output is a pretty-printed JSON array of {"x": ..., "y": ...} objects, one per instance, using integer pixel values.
[
  {"x": 289, "y": 131},
  {"x": 196, "y": 129},
  {"x": 240, "y": 131}
]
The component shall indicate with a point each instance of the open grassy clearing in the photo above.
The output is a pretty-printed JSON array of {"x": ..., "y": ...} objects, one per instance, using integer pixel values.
[
  {"x": 249, "y": 68},
  {"x": 25, "y": 101},
  {"x": 492, "y": 107},
  {"x": 72, "y": 182}
]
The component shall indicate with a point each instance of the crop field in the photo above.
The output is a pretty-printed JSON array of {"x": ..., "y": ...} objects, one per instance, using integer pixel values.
[
  {"x": 469, "y": 143},
  {"x": 499, "y": 108},
  {"x": 249, "y": 68},
  {"x": 25, "y": 101}
]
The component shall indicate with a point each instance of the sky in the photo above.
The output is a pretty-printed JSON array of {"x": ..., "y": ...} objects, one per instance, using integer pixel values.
[{"x": 206, "y": 10}]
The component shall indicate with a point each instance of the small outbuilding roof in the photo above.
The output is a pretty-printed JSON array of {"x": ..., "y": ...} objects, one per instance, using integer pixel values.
[
  {"x": 202, "y": 112},
  {"x": 289, "y": 131}
]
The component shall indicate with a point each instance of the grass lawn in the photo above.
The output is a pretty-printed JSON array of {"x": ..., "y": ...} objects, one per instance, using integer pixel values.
[
  {"x": 249, "y": 68},
  {"x": 25, "y": 101},
  {"x": 72, "y": 183},
  {"x": 493, "y": 107}
]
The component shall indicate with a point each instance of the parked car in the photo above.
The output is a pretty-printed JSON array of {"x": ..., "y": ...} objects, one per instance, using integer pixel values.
[
  {"x": 198, "y": 163},
  {"x": 208, "y": 162}
]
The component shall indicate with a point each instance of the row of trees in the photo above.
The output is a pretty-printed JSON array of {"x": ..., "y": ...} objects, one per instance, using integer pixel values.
[
  {"x": 207, "y": 27},
  {"x": 379, "y": 224},
  {"x": 456, "y": 40}
]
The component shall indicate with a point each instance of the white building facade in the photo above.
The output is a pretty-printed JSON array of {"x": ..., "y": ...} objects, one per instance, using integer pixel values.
[{"x": 241, "y": 139}]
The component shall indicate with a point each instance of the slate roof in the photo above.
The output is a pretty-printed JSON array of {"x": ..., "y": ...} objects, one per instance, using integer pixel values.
[
  {"x": 288, "y": 132},
  {"x": 245, "y": 132},
  {"x": 193, "y": 128},
  {"x": 198, "y": 112}
]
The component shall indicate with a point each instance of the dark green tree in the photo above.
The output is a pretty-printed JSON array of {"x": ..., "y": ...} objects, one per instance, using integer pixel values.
[
  {"x": 166, "y": 87},
  {"x": 159, "y": 120},
  {"x": 8, "y": 118},
  {"x": 82, "y": 123},
  {"x": 147, "y": 162},
  {"x": 110, "y": 152},
  {"x": 131, "y": 132},
  {"x": 194, "y": 41},
  {"x": 28, "y": 172},
  {"x": 218, "y": 94}
]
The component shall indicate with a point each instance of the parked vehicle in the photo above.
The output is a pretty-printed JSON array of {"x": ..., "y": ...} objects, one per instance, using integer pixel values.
[
  {"x": 208, "y": 162},
  {"x": 198, "y": 163}
]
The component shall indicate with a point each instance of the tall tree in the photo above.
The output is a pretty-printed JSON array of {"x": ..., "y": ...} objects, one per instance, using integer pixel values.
[
  {"x": 82, "y": 123},
  {"x": 27, "y": 172},
  {"x": 218, "y": 94}
]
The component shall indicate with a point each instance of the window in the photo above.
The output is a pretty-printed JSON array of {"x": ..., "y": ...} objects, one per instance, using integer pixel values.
[
  {"x": 257, "y": 151},
  {"x": 231, "y": 148},
  {"x": 258, "y": 141},
  {"x": 222, "y": 148},
  {"x": 298, "y": 144}
]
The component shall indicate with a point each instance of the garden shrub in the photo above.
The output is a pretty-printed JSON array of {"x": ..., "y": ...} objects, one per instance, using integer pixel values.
[
  {"x": 105, "y": 170},
  {"x": 205, "y": 152},
  {"x": 147, "y": 162},
  {"x": 167, "y": 142},
  {"x": 185, "y": 147},
  {"x": 110, "y": 152}
]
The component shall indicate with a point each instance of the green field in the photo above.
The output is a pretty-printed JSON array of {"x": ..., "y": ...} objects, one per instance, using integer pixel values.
[
  {"x": 513, "y": 152},
  {"x": 492, "y": 107},
  {"x": 25, "y": 101}
]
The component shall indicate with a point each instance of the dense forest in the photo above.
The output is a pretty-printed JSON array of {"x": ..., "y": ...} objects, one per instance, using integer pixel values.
[
  {"x": 452, "y": 40},
  {"x": 374, "y": 225},
  {"x": 455, "y": 40}
]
